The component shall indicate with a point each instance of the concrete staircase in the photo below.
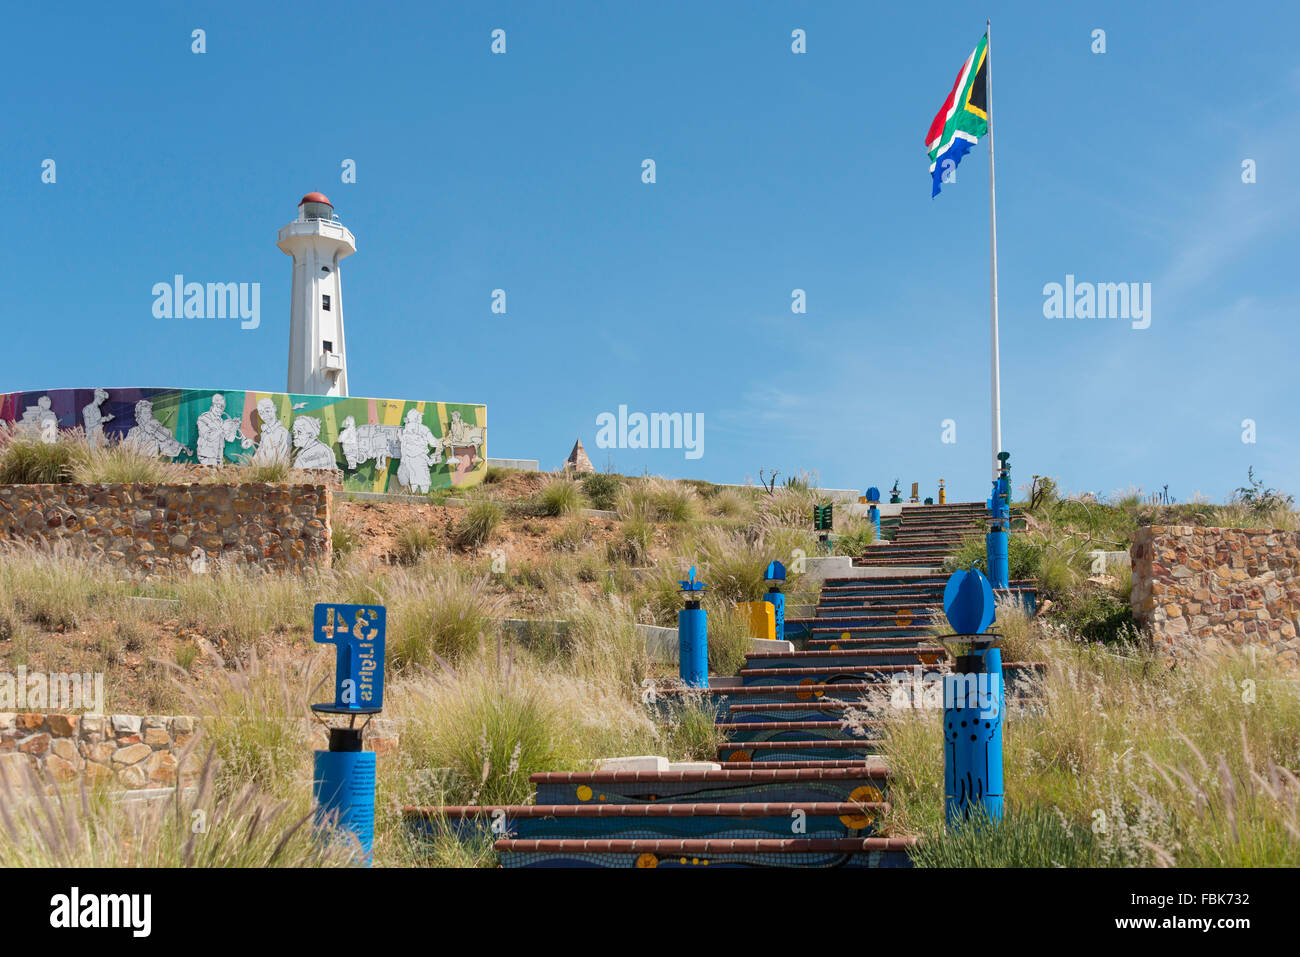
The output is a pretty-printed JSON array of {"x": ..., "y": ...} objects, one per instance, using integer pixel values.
[
  {"x": 799, "y": 781},
  {"x": 926, "y": 534}
]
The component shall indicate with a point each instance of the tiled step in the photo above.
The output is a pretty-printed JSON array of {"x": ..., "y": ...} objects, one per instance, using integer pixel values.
[
  {"x": 726, "y": 785},
  {"x": 856, "y": 674},
  {"x": 793, "y": 692},
  {"x": 910, "y": 640},
  {"x": 761, "y": 751},
  {"x": 659, "y": 821},
  {"x": 740, "y": 715},
  {"x": 786, "y": 852},
  {"x": 920, "y": 630},
  {"x": 816, "y": 763},
  {"x": 846, "y": 655},
  {"x": 904, "y": 619},
  {"x": 792, "y": 731}
]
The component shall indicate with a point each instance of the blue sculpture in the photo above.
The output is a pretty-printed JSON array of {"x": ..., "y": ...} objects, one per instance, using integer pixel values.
[
  {"x": 873, "y": 494},
  {"x": 693, "y": 636},
  {"x": 773, "y": 575},
  {"x": 995, "y": 542},
  {"x": 343, "y": 780},
  {"x": 974, "y": 703}
]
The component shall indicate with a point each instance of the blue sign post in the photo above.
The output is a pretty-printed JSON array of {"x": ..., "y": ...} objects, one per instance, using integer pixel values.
[
  {"x": 693, "y": 635},
  {"x": 343, "y": 782},
  {"x": 774, "y": 575},
  {"x": 974, "y": 703},
  {"x": 995, "y": 543}
]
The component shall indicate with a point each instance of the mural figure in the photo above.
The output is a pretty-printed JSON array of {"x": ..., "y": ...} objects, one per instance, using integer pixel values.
[
  {"x": 215, "y": 430},
  {"x": 150, "y": 436},
  {"x": 41, "y": 420},
  {"x": 313, "y": 454},
  {"x": 274, "y": 442},
  {"x": 360, "y": 443},
  {"x": 460, "y": 434},
  {"x": 94, "y": 418},
  {"x": 429, "y": 445},
  {"x": 413, "y": 470}
]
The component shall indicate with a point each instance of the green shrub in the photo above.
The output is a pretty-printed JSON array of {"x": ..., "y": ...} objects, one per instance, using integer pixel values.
[
  {"x": 732, "y": 503},
  {"x": 633, "y": 543},
  {"x": 1035, "y": 837},
  {"x": 476, "y": 526},
  {"x": 26, "y": 460},
  {"x": 276, "y": 472},
  {"x": 728, "y": 638},
  {"x": 446, "y": 614},
  {"x": 92, "y": 828},
  {"x": 252, "y": 717},
  {"x": 573, "y": 536},
  {"x": 854, "y": 537},
  {"x": 690, "y": 729},
  {"x": 601, "y": 488},
  {"x": 1024, "y": 558},
  {"x": 491, "y": 731},
  {"x": 414, "y": 540},
  {"x": 116, "y": 463},
  {"x": 344, "y": 539},
  {"x": 559, "y": 496},
  {"x": 1098, "y": 615}
]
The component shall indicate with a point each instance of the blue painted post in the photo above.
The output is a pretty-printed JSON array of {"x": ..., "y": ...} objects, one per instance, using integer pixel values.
[
  {"x": 972, "y": 729},
  {"x": 774, "y": 574},
  {"x": 974, "y": 705},
  {"x": 693, "y": 636},
  {"x": 343, "y": 778},
  {"x": 995, "y": 542},
  {"x": 343, "y": 787},
  {"x": 873, "y": 509}
]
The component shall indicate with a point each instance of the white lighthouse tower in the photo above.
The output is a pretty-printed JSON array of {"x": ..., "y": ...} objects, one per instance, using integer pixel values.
[{"x": 316, "y": 240}]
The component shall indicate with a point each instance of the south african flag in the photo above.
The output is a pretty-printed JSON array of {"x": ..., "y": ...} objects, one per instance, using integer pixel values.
[{"x": 962, "y": 119}]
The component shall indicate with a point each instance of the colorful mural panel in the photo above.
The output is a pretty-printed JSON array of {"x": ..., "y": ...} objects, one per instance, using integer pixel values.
[{"x": 381, "y": 445}]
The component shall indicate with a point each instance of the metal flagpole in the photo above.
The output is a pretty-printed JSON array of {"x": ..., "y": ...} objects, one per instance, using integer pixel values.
[{"x": 993, "y": 248}]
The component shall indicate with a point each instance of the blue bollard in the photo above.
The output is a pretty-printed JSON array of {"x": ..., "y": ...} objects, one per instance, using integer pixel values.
[
  {"x": 974, "y": 702},
  {"x": 995, "y": 546},
  {"x": 972, "y": 732},
  {"x": 873, "y": 516},
  {"x": 343, "y": 788},
  {"x": 774, "y": 574},
  {"x": 693, "y": 636},
  {"x": 995, "y": 542}
]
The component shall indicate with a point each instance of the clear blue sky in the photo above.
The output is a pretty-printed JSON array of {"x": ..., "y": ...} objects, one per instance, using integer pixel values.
[{"x": 775, "y": 171}]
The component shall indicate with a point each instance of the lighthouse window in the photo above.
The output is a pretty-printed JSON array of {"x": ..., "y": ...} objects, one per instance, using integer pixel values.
[
  {"x": 325, "y": 303},
  {"x": 328, "y": 346}
]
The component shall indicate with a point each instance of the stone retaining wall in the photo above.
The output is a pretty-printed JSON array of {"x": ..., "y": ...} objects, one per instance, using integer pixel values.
[
  {"x": 1196, "y": 588},
  {"x": 145, "y": 526},
  {"x": 130, "y": 751}
]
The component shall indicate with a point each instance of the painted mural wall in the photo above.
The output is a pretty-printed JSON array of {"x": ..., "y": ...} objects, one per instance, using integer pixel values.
[{"x": 381, "y": 445}]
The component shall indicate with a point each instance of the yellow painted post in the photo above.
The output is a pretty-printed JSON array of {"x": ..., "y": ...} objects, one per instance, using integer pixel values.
[
  {"x": 942, "y": 496},
  {"x": 760, "y": 617}
]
